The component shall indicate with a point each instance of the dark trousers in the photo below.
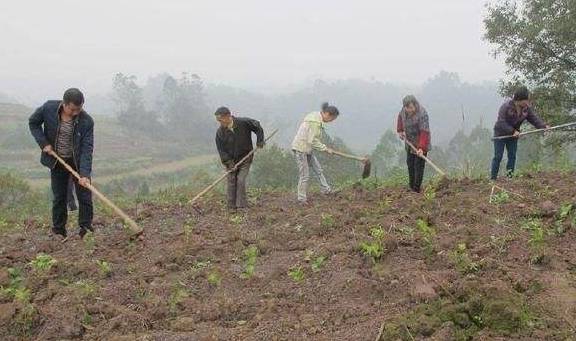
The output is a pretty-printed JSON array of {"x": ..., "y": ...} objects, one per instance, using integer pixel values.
[
  {"x": 237, "y": 187},
  {"x": 60, "y": 179},
  {"x": 415, "y": 170},
  {"x": 511, "y": 145}
]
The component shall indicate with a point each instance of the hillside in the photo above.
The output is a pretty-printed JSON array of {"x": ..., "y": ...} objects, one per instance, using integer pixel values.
[{"x": 446, "y": 265}]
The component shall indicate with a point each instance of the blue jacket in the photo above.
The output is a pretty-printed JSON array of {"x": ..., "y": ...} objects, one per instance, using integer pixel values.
[{"x": 44, "y": 126}]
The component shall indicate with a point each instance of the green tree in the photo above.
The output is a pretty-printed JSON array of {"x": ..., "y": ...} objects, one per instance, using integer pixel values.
[
  {"x": 184, "y": 109},
  {"x": 274, "y": 167},
  {"x": 387, "y": 154},
  {"x": 538, "y": 40},
  {"x": 130, "y": 109}
]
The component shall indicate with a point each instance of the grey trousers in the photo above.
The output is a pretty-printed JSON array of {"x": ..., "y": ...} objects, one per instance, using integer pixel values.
[
  {"x": 237, "y": 187},
  {"x": 305, "y": 162}
]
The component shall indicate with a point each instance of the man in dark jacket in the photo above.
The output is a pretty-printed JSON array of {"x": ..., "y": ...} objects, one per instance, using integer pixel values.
[
  {"x": 62, "y": 127},
  {"x": 234, "y": 142},
  {"x": 510, "y": 117}
]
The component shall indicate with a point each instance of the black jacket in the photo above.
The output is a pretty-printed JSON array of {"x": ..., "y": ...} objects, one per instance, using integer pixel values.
[
  {"x": 44, "y": 126},
  {"x": 234, "y": 145}
]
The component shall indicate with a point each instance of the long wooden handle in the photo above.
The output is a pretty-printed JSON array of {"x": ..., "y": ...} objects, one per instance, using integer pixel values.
[
  {"x": 348, "y": 156},
  {"x": 223, "y": 176},
  {"x": 136, "y": 230},
  {"x": 440, "y": 171},
  {"x": 535, "y": 131}
]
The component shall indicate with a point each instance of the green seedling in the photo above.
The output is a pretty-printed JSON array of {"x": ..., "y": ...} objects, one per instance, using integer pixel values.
[
  {"x": 179, "y": 293},
  {"x": 104, "y": 267},
  {"x": 318, "y": 263},
  {"x": 89, "y": 242},
  {"x": 214, "y": 278},
  {"x": 296, "y": 273},
  {"x": 236, "y": 219},
  {"x": 427, "y": 234},
  {"x": 43, "y": 262},
  {"x": 463, "y": 261},
  {"x": 250, "y": 256},
  {"x": 500, "y": 198},
  {"x": 328, "y": 220}
]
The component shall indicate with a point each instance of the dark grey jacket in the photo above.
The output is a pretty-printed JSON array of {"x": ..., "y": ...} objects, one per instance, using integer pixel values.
[
  {"x": 509, "y": 119},
  {"x": 234, "y": 145},
  {"x": 44, "y": 126}
]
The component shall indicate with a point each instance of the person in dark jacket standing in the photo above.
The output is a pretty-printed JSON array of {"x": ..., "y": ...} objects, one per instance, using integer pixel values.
[
  {"x": 413, "y": 126},
  {"x": 510, "y": 117},
  {"x": 234, "y": 142},
  {"x": 65, "y": 128}
]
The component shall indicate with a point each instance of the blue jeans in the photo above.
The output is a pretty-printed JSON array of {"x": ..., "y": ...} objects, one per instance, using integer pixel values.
[{"x": 511, "y": 145}]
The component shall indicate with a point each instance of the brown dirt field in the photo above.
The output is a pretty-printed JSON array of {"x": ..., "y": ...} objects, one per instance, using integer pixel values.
[{"x": 187, "y": 279}]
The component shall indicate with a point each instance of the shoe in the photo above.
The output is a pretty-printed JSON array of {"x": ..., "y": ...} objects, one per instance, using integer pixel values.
[
  {"x": 60, "y": 232},
  {"x": 82, "y": 232}
]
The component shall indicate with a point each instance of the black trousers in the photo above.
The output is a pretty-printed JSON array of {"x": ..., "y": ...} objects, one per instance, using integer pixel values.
[
  {"x": 415, "y": 170},
  {"x": 60, "y": 179}
]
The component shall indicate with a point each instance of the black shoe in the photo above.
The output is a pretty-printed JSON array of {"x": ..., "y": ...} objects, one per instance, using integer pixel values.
[
  {"x": 60, "y": 232},
  {"x": 83, "y": 231}
]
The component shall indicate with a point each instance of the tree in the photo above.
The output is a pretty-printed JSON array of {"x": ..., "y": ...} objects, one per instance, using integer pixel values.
[
  {"x": 185, "y": 110},
  {"x": 130, "y": 109},
  {"x": 386, "y": 155},
  {"x": 538, "y": 40}
]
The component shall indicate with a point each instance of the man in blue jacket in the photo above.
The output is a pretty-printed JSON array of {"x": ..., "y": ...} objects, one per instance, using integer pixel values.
[
  {"x": 510, "y": 117},
  {"x": 64, "y": 128}
]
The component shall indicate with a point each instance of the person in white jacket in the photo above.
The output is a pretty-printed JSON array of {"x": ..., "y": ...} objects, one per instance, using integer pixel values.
[{"x": 308, "y": 139}]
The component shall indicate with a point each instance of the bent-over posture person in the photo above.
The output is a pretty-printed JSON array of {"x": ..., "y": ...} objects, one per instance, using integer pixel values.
[
  {"x": 234, "y": 142},
  {"x": 308, "y": 139},
  {"x": 510, "y": 117},
  {"x": 413, "y": 126},
  {"x": 65, "y": 128}
]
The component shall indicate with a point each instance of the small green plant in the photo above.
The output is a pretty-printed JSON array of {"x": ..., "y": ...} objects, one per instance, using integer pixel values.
[
  {"x": 86, "y": 288},
  {"x": 26, "y": 314},
  {"x": 374, "y": 248},
  {"x": 537, "y": 238},
  {"x": 104, "y": 267},
  {"x": 427, "y": 233},
  {"x": 89, "y": 242},
  {"x": 318, "y": 263},
  {"x": 179, "y": 293},
  {"x": 200, "y": 265},
  {"x": 500, "y": 198},
  {"x": 377, "y": 233},
  {"x": 214, "y": 278},
  {"x": 328, "y": 220},
  {"x": 250, "y": 256},
  {"x": 86, "y": 319},
  {"x": 188, "y": 228},
  {"x": 463, "y": 261},
  {"x": 236, "y": 219},
  {"x": 562, "y": 216},
  {"x": 43, "y": 262},
  {"x": 430, "y": 192},
  {"x": 296, "y": 273}
]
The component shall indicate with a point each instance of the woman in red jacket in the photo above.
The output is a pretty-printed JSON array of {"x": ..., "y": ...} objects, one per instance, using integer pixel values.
[{"x": 413, "y": 126}]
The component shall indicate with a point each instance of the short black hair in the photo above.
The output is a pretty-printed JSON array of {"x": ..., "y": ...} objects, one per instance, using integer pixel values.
[
  {"x": 332, "y": 110},
  {"x": 74, "y": 96},
  {"x": 222, "y": 111},
  {"x": 521, "y": 93}
]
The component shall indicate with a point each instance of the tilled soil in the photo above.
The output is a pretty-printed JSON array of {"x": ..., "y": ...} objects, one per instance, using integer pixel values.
[{"x": 482, "y": 273}]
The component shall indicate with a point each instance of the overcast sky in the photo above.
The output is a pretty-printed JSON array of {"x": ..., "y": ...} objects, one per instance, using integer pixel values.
[{"x": 47, "y": 46}]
